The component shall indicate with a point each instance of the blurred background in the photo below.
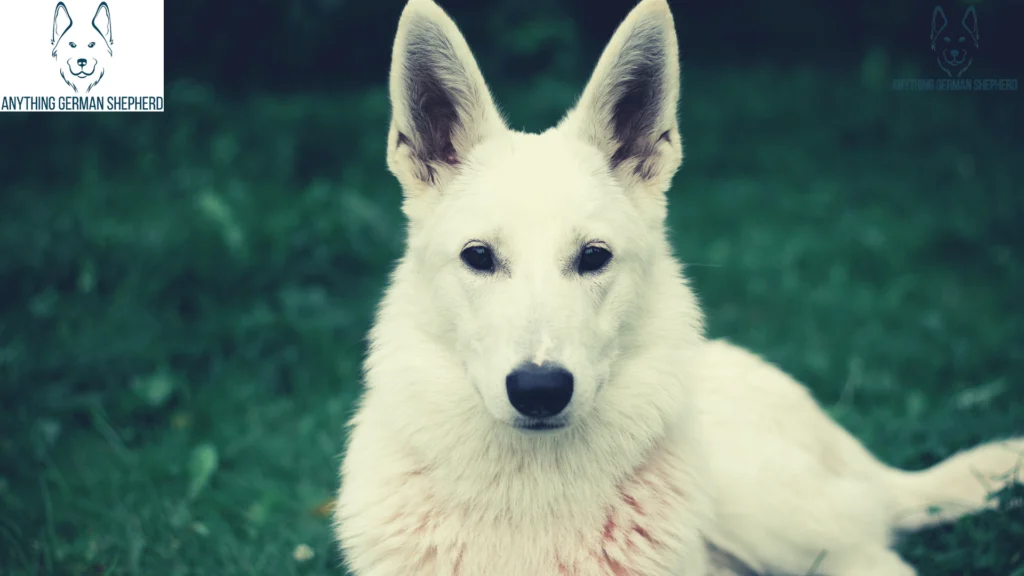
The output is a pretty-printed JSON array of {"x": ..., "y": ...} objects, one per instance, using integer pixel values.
[{"x": 185, "y": 295}]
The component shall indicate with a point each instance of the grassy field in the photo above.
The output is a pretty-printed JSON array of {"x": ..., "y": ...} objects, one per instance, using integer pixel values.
[{"x": 185, "y": 299}]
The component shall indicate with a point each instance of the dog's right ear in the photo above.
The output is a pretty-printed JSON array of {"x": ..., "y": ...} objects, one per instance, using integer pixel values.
[
  {"x": 970, "y": 23},
  {"x": 939, "y": 23},
  {"x": 61, "y": 23},
  {"x": 440, "y": 106},
  {"x": 101, "y": 22}
]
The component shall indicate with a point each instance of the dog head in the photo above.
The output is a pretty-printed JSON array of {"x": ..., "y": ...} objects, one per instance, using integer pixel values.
[
  {"x": 534, "y": 252},
  {"x": 954, "y": 46},
  {"x": 81, "y": 50}
]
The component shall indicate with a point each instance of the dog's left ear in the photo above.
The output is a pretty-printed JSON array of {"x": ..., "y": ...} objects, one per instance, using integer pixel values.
[
  {"x": 970, "y": 22},
  {"x": 629, "y": 108},
  {"x": 101, "y": 22}
]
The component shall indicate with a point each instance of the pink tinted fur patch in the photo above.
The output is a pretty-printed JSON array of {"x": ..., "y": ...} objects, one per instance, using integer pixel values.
[{"x": 624, "y": 545}]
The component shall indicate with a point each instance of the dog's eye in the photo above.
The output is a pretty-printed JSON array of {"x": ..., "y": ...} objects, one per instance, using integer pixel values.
[
  {"x": 91, "y": 44},
  {"x": 479, "y": 258},
  {"x": 948, "y": 39},
  {"x": 592, "y": 259},
  {"x": 72, "y": 44}
]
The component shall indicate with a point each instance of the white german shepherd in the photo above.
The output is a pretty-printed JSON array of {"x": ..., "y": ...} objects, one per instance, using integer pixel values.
[{"x": 540, "y": 399}]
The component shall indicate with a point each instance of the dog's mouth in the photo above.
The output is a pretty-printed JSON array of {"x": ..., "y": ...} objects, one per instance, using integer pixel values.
[
  {"x": 81, "y": 67},
  {"x": 540, "y": 424},
  {"x": 954, "y": 59}
]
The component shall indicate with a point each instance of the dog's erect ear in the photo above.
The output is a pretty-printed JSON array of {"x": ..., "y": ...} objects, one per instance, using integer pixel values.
[
  {"x": 61, "y": 23},
  {"x": 629, "y": 108},
  {"x": 939, "y": 23},
  {"x": 970, "y": 22},
  {"x": 101, "y": 22},
  {"x": 440, "y": 106}
]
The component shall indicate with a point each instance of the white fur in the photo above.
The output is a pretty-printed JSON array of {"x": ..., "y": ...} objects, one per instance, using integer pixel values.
[{"x": 675, "y": 447}]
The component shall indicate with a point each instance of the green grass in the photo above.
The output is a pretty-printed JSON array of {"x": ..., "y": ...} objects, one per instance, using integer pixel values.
[{"x": 185, "y": 302}]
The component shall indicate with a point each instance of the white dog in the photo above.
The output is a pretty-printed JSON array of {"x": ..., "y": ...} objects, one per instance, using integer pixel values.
[{"x": 540, "y": 399}]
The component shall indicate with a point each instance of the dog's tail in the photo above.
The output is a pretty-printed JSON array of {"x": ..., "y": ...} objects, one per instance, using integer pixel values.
[{"x": 955, "y": 487}]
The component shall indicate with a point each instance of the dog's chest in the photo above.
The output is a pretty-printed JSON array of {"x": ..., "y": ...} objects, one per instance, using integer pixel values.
[{"x": 647, "y": 526}]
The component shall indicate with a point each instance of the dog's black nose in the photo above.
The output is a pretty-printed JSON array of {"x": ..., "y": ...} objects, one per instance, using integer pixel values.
[
  {"x": 539, "y": 391},
  {"x": 954, "y": 52},
  {"x": 82, "y": 62}
]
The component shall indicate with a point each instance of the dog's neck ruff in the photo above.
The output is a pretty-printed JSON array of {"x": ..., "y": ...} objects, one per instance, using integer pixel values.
[{"x": 477, "y": 497}]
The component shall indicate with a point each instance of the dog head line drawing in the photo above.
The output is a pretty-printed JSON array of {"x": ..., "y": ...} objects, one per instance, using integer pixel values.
[
  {"x": 954, "y": 52},
  {"x": 82, "y": 49},
  {"x": 532, "y": 249}
]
